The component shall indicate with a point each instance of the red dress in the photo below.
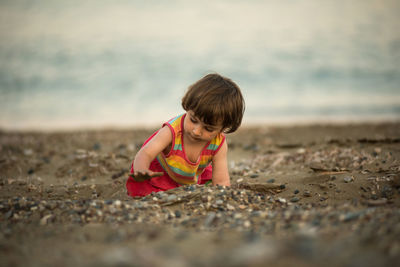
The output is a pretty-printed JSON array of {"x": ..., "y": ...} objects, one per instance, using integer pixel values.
[{"x": 161, "y": 183}]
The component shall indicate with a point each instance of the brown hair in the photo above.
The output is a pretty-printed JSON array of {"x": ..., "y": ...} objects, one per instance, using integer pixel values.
[{"x": 215, "y": 99}]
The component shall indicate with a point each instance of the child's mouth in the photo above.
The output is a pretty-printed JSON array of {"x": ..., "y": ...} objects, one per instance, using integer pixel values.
[{"x": 195, "y": 138}]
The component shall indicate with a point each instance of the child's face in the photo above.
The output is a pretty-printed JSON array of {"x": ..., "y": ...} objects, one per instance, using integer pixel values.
[{"x": 197, "y": 131}]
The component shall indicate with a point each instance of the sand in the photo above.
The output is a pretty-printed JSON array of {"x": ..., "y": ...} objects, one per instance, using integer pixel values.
[{"x": 305, "y": 195}]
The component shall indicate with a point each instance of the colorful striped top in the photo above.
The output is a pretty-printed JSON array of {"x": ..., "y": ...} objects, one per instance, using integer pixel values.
[{"x": 176, "y": 163}]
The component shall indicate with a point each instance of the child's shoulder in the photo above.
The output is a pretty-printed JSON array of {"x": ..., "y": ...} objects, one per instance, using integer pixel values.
[
  {"x": 217, "y": 142},
  {"x": 176, "y": 119},
  {"x": 175, "y": 123}
]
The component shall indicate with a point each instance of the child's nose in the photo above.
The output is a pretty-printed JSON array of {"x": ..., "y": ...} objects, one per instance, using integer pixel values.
[{"x": 197, "y": 130}]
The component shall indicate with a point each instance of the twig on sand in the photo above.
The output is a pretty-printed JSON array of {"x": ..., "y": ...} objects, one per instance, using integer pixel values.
[
  {"x": 263, "y": 188},
  {"x": 324, "y": 170}
]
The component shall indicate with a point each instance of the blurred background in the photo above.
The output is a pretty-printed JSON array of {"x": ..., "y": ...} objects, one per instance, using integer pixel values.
[{"x": 73, "y": 64}]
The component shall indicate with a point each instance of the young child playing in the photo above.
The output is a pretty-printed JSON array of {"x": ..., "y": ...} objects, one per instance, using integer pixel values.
[{"x": 191, "y": 148}]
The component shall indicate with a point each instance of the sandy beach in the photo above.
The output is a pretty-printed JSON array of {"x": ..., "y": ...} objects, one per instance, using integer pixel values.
[{"x": 306, "y": 195}]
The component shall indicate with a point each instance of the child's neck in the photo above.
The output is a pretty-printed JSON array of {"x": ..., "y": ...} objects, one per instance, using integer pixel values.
[{"x": 193, "y": 148}]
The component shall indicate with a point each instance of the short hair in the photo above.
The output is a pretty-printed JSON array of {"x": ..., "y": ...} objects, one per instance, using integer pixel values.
[{"x": 215, "y": 99}]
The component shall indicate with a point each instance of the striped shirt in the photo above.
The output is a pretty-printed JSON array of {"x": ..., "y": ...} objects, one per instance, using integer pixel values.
[{"x": 176, "y": 163}]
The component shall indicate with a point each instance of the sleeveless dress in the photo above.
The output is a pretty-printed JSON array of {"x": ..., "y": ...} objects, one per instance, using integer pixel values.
[{"x": 177, "y": 168}]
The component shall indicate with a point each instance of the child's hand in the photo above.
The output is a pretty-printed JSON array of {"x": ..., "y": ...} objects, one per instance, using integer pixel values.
[{"x": 141, "y": 176}]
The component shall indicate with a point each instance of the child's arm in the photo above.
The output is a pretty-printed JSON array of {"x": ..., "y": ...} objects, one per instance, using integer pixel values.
[
  {"x": 220, "y": 174},
  {"x": 148, "y": 152}
]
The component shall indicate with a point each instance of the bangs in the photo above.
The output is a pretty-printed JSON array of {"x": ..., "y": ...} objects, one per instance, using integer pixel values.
[
  {"x": 213, "y": 111},
  {"x": 209, "y": 114}
]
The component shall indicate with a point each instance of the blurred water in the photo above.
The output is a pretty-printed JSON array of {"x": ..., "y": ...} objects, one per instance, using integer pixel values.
[{"x": 124, "y": 63}]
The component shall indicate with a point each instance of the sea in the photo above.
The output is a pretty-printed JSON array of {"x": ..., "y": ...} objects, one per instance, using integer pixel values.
[{"x": 119, "y": 64}]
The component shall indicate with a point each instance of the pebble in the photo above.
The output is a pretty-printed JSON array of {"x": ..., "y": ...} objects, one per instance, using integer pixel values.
[
  {"x": 350, "y": 216},
  {"x": 117, "y": 203},
  {"x": 282, "y": 200},
  {"x": 96, "y": 146},
  {"x": 230, "y": 207},
  {"x": 348, "y": 179},
  {"x": 45, "y": 219},
  {"x": 178, "y": 214},
  {"x": 28, "y": 152},
  {"x": 294, "y": 199},
  {"x": 219, "y": 202}
]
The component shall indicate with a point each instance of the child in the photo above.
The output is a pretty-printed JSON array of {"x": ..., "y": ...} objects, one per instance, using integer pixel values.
[{"x": 191, "y": 148}]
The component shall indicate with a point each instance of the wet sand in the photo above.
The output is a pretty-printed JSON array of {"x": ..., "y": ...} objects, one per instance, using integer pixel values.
[{"x": 307, "y": 195}]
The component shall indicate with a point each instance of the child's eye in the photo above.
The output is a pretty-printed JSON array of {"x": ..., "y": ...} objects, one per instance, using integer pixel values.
[
  {"x": 193, "y": 120},
  {"x": 208, "y": 129}
]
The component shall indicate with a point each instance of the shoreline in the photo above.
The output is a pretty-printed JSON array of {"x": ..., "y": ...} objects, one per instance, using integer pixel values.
[
  {"x": 245, "y": 125},
  {"x": 287, "y": 121}
]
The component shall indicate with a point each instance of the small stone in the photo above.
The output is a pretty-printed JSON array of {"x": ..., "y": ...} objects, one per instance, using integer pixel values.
[
  {"x": 230, "y": 207},
  {"x": 117, "y": 203},
  {"x": 108, "y": 201},
  {"x": 28, "y": 152},
  {"x": 172, "y": 197},
  {"x": 96, "y": 146},
  {"x": 237, "y": 216},
  {"x": 374, "y": 196},
  {"x": 348, "y": 179},
  {"x": 349, "y": 216},
  {"x": 282, "y": 200},
  {"x": 178, "y": 214},
  {"x": 219, "y": 202},
  {"x": 307, "y": 193},
  {"x": 295, "y": 199},
  {"x": 301, "y": 150},
  {"x": 45, "y": 219},
  {"x": 323, "y": 186},
  {"x": 296, "y": 191},
  {"x": 272, "y": 180}
]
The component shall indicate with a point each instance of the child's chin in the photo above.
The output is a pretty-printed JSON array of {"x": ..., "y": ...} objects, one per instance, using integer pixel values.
[{"x": 196, "y": 139}]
